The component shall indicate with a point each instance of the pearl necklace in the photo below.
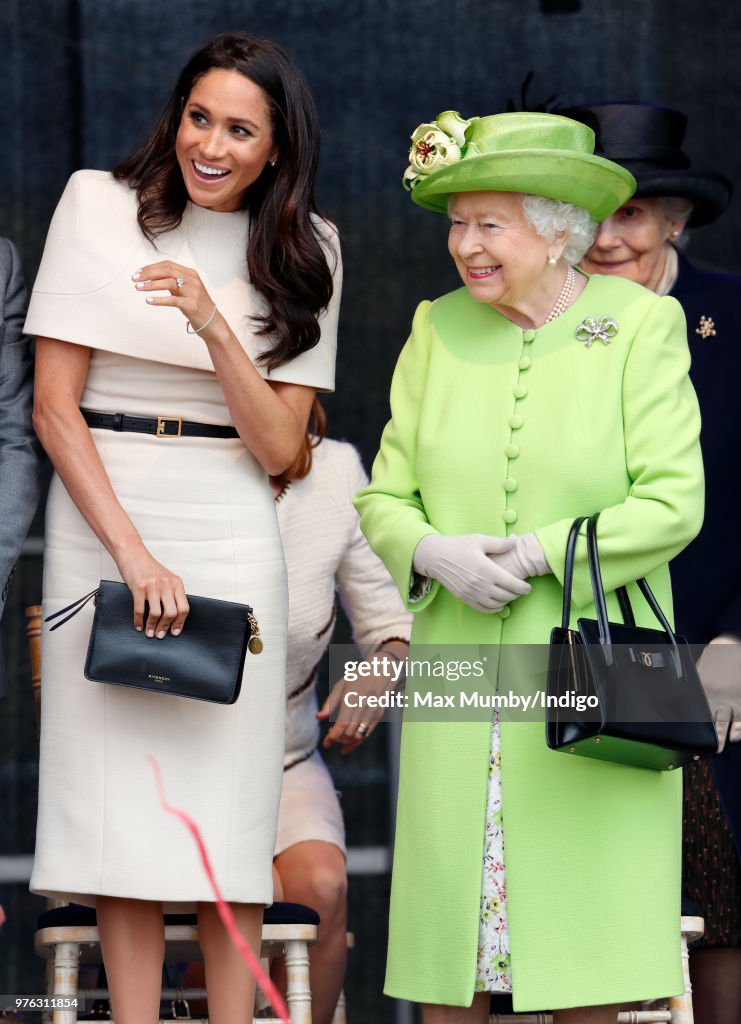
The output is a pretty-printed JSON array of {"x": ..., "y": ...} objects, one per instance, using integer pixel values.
[{"x": 564, "y": 298}]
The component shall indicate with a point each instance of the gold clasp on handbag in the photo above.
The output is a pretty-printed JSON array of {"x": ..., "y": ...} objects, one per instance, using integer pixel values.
[
  {"x": 254, "y": 644},
  {"x": 162, "y": 422}
]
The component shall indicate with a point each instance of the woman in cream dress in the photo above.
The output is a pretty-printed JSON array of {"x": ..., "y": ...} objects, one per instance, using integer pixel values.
[{"x": 191, "y": 223}]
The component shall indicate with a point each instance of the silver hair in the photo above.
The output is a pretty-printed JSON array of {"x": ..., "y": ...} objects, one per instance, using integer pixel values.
[
  {"x": 549, "y": 217},
  {"x": 677, "y": 208}
]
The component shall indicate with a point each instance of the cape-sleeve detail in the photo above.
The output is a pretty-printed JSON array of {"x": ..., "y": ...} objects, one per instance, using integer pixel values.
[{"x": 84, "y": 292}]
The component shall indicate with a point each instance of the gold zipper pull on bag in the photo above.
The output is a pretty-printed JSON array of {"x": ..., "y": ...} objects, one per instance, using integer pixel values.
[{"x": 254, "y": 644}]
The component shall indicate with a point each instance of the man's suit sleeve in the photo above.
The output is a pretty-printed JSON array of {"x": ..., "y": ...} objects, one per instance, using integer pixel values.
[{"x": 21, "y": 462}]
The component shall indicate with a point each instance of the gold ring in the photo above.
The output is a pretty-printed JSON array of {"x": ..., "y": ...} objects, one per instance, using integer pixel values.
[{"x": 362, "y": 729}]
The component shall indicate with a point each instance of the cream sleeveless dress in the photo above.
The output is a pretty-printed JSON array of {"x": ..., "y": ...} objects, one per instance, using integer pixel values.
[{"x": 205, "y": 510}]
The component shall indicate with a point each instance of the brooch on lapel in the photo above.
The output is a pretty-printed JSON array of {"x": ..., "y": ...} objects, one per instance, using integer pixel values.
[
  {"x": 706, "y": 328},
  {"x": 591, "y": 330}
]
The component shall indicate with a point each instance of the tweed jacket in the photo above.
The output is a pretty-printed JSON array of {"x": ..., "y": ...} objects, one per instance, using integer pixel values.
[
  {"x": 327, "y": 556},
  {"x": 497, "y": 430},
  {"x": 20, "y": 452}
]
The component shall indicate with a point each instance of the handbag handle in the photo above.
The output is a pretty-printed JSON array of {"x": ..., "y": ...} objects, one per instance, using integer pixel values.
[
  {"x": 568, "y": 570},
  {"x": 568, "y": 580},
  {"x": 626, "y": 609},
  {"x": 598, "y": 592}
]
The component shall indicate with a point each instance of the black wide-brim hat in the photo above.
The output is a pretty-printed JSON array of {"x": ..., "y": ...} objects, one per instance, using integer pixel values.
[{"x": 647, "y": 140}]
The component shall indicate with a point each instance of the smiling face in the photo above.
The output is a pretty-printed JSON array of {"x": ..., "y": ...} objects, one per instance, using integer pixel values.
[
  {"x": 630, "y": 244},
  {"x": 224, "y": 140},
  {"x": 500, "y": 258}
]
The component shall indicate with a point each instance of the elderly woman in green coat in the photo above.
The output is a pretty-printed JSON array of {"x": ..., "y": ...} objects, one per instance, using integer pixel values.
[{"x": 532, "y": 395}]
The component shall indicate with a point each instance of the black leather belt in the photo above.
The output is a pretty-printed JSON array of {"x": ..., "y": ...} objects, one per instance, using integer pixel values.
[{"x": 159, "y": 426}]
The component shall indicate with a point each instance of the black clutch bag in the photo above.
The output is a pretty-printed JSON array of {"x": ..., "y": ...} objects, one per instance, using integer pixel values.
[
  {"x": 621, "y": 692},
  {"x": 204, "y": 662}
]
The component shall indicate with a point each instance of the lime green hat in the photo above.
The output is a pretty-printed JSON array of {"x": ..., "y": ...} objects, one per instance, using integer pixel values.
[{"x": 540, "y": 154}]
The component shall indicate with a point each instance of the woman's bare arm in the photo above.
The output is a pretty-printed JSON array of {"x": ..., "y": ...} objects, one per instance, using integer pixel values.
[
  {"x": 61, "y": 371},
  {"x": 271, "y": 417}
]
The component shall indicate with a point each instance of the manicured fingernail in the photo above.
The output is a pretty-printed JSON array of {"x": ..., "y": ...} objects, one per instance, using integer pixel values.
[
  {"x": 150, "y": 632},
  {"x": 136, "y": 275},
  {"x": 138, "y": 629},
  {"x": 176, "y": 632},
  {"x": 150, "y": 299},
  {"x": 162, "y": 634},
  {"x": 140, "y": 285}
]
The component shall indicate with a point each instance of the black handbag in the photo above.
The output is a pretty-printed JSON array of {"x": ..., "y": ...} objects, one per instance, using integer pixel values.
[
  {"x": 204, "y": 662},
  {"x": 621, "y": 692}
]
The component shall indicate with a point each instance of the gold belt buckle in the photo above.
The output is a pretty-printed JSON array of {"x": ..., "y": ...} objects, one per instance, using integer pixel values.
[{"x": 162, "y": 421}]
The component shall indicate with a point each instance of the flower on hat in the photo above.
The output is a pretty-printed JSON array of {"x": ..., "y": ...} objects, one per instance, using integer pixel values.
[{"x": 435, "y": 145}]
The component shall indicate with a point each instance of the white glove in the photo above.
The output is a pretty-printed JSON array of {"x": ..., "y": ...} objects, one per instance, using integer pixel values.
[
  {"x": 525, "y": 558},
  {"x": 719, "y": 668},
  {"x": 462, "y": 565}
]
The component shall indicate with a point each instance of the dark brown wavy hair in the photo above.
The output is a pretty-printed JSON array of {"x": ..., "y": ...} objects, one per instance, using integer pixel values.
[
  {"x": 286, "y": 262},
  {"x": 316, "y": 431}
]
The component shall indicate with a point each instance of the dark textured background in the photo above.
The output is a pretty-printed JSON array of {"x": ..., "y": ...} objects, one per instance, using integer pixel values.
[{"x": 81, "y": 81}]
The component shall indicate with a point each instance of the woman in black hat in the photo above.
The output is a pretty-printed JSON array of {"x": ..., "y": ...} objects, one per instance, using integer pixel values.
[{"x": 639, "y": 242}]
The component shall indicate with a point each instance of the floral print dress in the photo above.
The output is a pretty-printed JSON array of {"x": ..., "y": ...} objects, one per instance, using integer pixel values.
[{"x": 493, "y": 961}]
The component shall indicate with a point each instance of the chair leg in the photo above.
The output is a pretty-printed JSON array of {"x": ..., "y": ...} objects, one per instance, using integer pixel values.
[
  {"x": 340, "y": 1013},
  {"x": 681, "y": 1006},
  {"x": 298, "y": 984},
  {"x": 48, "y": 988},
  {"x": 261, "y": 1000},
  {"x": 66, "y": 969}
]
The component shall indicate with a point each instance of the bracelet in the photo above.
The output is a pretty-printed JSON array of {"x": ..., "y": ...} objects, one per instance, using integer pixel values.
[
  {"x": 197, "y": 330},
  {"x": 382, "y": 649}
]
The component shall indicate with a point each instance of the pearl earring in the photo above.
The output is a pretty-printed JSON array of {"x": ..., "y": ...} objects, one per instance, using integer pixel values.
[
  {"x": 552, "y": 261},
  {"x": 675, "y": 233},
  {"x": 274, "y": 162}
]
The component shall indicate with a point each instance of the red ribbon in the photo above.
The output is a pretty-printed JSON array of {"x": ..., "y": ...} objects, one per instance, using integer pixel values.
[{"x": 225, "y": 911}]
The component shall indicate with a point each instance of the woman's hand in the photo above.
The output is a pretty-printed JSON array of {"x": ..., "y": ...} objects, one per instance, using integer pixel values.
[
  {"x": 190, "y": 297},
  {"x": 463, "y": 566},
  {"x": 525, "y": 558},
  {"x": 152, "y": 584},
  {"x": 719, "y": 668},
  {"x": 270, "y": 416},
  {"x": 354, "y": 725}
]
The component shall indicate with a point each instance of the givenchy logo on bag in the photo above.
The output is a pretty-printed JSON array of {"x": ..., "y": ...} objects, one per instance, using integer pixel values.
[{"x": 158, "y": 679}]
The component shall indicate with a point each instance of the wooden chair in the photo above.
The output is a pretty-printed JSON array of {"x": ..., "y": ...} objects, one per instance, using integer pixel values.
[
  {"x": 67, "y": 935},
  {"x": 33, "y": 632}
]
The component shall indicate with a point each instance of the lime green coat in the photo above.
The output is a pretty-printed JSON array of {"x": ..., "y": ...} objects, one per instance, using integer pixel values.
[{"x": 497, "y": 430}]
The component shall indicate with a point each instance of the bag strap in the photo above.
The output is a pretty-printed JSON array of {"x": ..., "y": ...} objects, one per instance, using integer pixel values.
[
  {"x": 73, "y": 609},
  {"x": 626, "y": 609},
  {"x": 656, "y": 608},
  {"x": 595, "y": 575},
  {"x": 568, "y": 570},
  {"x": 621, "y": 592},
  {"x": 598, "y": 592}
]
